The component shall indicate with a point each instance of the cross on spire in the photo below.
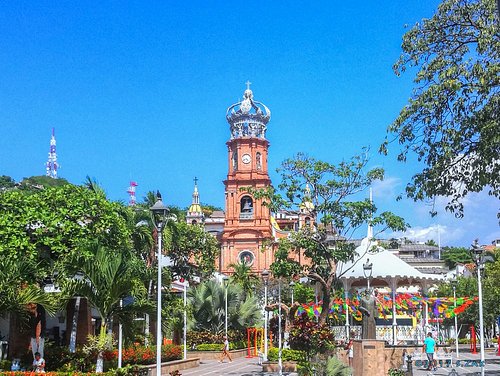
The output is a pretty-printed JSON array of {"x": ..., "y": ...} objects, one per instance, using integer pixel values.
[
  {"x": 195, "y": 180},
  {"x": 248, "y": 83}
]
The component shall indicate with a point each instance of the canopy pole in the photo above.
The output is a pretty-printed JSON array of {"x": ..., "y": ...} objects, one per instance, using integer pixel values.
[
  {"x": 346, "y": 310},
  {"x": 394, "y": 283}
]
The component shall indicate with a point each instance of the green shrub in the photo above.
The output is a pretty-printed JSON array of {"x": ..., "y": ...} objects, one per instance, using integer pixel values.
[
  {"x": 5, "y": 365},
  {"x": 209, "y": 347},
  {"x": 335, "y": 367},
  {"x": 396, "y": 372},
  {"x": 195, "y": 338},
  {"x": 218, "y": 346},
  {"x": 286, "y": 355}
]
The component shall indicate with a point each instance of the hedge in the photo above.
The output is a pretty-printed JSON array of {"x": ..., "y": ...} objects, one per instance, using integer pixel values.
[
  {"x": 218, "y": 346},
  {"x": 286, "y": 355}
]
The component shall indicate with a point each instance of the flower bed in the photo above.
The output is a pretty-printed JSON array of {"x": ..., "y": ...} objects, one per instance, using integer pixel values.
[
  {"x": 145, "y": 355},
  {"x": 67, "y": 373}
]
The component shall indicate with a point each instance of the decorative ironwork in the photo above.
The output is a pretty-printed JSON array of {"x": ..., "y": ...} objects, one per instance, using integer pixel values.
[{"x": 249, "y": 117}]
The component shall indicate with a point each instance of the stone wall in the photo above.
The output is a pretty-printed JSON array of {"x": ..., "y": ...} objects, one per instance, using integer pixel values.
[
  {"x": 374, "y": 358},
  {"x": 176, "y": 365}
]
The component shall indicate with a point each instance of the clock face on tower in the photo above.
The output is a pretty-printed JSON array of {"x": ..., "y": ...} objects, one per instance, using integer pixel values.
[{"x": 246, "y": 158}]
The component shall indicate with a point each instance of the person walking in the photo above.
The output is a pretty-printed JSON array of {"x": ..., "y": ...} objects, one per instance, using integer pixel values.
[
  {"x": 350, "y": 350},
  {"x": 225, "y": 351},
  {"x": 429, "y": 348}
]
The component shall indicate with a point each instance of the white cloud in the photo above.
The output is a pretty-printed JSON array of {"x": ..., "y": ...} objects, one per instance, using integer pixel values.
[
  {"x": 386, "y": 189},
  {"x": 439, "y": 233},
  {"x": 479, "y": 221}
]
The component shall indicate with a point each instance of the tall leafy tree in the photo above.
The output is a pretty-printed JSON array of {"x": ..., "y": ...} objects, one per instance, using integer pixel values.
[
  {"x": 243, "y": 276},
  {"x": 105, "y": 277},
  {"x": 451, "y": 121},
  {"x": 19, "y": 290},
  {"x": 49, "y": 225},
  {"x": 330, "y": 194},
  {"x": 208, "y": 307},
  {"x": 456, "y": 255}
]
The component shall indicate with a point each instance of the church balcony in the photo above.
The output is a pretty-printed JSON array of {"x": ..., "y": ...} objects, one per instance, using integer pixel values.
[{"x": 246, "y": 215}]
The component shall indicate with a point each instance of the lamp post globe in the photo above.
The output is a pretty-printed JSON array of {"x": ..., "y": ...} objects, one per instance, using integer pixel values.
[{"x": 367, "y": 271}]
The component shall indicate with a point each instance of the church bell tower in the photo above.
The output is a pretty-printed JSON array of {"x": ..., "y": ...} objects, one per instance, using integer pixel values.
[{"x": 247, "y": 221}]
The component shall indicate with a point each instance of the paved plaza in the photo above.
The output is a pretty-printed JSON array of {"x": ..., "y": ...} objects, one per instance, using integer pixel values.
[
  {"x": 250, "y": 367},
  {"x": 466, "y": 364},
  {"x": 239, "y": 366}
]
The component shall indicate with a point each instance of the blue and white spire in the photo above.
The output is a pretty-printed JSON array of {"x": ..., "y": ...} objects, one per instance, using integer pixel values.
[{"x": 51, "y": 166}]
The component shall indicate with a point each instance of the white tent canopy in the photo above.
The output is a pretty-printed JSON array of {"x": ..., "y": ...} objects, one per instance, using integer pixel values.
[
  {"x": 387, "y": 270},
  {"x": 386, "y": 267}
]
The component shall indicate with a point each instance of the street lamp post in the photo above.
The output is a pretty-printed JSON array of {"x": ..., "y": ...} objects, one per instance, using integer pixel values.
[
  {"x": 159, "y": 213},
  {"x": 292, "y": 285},
  {"x": 265, "y": 278},
  {"x": 280, "y": 363},
  {"x": 185, "y": 320},
  {"x": 477, "y": 252},
  {"x": 225, "y": 280},
  {"x": 120, "y": 339},
  {"x": 454, "y": 286},
  {"x": 367, "y": 271}
]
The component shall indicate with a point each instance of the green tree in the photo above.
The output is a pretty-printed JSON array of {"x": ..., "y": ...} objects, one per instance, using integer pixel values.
[
  {"x": 208, "y": 209},
  {"x": 208, "y": 305},
  {"x": 6, "y": 182},
  {"x": 431, "y": 242},
  {"x": 18, "y": 289},
  {"x": 35, "y": 183},
  {"x": 451, "y": 121},
  {"x": 192, "y": 251},
  {"x": 243, "y": 276},
  {"x": 105, "y": 277},
  {"x": 303, "y": 293},
  {"x": 456, "y": 255},
  {"x": 467, "y": 287},
  {"x": 330, "y": 192},
  {"x": 48, "y": 226}
]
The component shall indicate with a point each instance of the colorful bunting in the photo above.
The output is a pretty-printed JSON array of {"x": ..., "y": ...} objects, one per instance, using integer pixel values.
[{"x": 406, "y": 304}]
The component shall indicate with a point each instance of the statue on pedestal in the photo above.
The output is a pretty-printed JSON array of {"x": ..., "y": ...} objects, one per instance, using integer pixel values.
[{"x": 369, "y": 310}]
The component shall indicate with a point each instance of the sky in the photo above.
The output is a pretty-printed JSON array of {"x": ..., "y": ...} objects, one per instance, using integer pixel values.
[{"x": 139, "y": 90}]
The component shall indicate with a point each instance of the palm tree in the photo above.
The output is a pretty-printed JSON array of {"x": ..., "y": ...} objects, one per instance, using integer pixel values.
[
  {"x": 243, "y": 276},
  {"x": 105, "y": 279},
  {"x": 17, "y": 291},
  {"x": 208, "y": 304}
]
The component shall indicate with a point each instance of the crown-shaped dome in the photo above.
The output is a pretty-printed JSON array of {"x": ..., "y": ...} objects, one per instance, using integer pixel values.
[{"x": 249, "y": 117}]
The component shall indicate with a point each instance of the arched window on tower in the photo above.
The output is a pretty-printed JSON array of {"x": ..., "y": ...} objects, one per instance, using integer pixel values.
[
  {"x": 235, "y": 160},
  {"x": 194, "y": 222},
  {"x": 307, "y": 221},
  {"x": 258, "y": 161},
  {"x": 246, "y": 207}
]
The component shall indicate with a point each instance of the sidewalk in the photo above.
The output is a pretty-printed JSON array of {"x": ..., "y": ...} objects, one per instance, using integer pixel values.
[
  {"x": 465, "y": 364},
  {"x": 238, "y": 367}
]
